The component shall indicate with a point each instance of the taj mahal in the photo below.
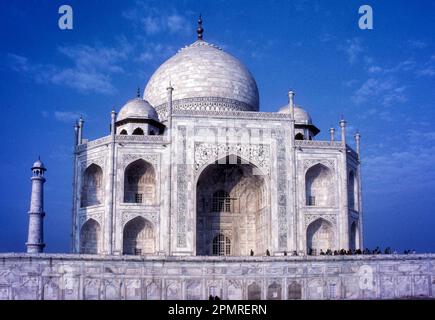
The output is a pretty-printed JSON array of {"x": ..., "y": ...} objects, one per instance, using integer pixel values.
[
  {"x": 195, "y": 169},
  {"x": 196, "y": 192}
]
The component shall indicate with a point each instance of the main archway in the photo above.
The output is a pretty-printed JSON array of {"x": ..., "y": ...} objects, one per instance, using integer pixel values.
[{"x": 232, "y": 204}]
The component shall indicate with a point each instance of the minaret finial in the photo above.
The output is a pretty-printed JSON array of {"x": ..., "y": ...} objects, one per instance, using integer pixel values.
[
  {"x": 138, "y": 92},
  {"x": 200, "y": 30}
]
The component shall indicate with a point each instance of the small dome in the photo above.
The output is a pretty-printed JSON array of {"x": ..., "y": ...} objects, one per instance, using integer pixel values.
[
  {"x": 200, "y": 74},
  {"x": 137, "y": 109},
  {"x": 301, "y": 116},
  {"x": 38, "y": 165}
]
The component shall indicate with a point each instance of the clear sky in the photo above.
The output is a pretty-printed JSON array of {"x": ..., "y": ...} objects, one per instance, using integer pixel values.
[{"x": 381, "y": 80}]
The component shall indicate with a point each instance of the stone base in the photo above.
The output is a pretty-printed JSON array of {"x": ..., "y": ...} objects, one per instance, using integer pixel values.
[{"x": 68, "y": 276}]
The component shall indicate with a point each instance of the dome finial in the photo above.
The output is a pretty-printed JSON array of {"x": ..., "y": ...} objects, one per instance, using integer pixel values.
[
  {"x": 170, "y": 86},
  {"x": 200, "y": 30},
  {"x": 138, "y": 92}
]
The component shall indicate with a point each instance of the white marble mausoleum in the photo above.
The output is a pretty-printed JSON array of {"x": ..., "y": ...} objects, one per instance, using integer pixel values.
[{"x": 194, "y": 168}]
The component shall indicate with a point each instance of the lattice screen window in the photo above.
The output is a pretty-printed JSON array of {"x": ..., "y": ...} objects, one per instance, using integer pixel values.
[
  {"x": 221, "y": 245},
  {"x": 311, "y": 201},
  {"x": 138, "y": 198},
  {"x": 221, "y": 202}
]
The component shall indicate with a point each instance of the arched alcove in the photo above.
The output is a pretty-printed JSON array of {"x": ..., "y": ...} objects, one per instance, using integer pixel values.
[
  {"x": 294, "y": 291},
  {"x": 274, "y": 291},
  {"x": 138, "y": 132},
  {"x": 138, "y": 237},
  {"x": 90, "y": 237},
  {"x": 299, "y": 136},
  {"x": 319, "y": 186},
  {"x": 352, "y": 188},
  {"x": 354, "y": 236},
  {"x": 254, "y": 291},
  {"x": 320, "y": 236},
  {"x": 92, "y": 186},
  {"x": 139, "y": 183}
]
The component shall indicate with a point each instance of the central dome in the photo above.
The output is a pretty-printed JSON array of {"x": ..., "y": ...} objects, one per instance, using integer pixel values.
[{"x": 204, "y": 78}]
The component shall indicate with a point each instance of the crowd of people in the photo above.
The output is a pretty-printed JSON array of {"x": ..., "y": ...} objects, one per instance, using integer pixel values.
[{"x": 341, "y": 252}]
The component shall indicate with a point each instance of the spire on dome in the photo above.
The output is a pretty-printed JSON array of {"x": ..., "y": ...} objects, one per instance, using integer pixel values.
[
  {"x": 200, "y": 30},
  {"x": 138, "y": 92}
]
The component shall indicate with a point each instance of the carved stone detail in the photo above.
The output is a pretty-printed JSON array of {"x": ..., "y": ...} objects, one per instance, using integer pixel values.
[
  {"x": 281, "y": 188},
  {"x": 151, "y": 158},
  {"x": 94, "y": 143},
  {"x": 199, "y": 129},
  {"x": 85, "y": 216},
  {"x": 181, "y": 189},
  {"x": 258, "y": 154},
  {"x": 151, "y": 216},
  {"x": 309, "y": 218},
  {"x": 329, "y": 163},
  {"x": 316, "y": 143},
  {"x": 139, "y": 138},
  {"x": 216, "y": 107},
  {"x": 203, "y": 104},
  {"x": 158, "y": 139},
  {"x": 100, "y": 161}
]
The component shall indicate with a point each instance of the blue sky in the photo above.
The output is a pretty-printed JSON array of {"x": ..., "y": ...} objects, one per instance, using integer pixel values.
[{"x": 381, "y": 80}]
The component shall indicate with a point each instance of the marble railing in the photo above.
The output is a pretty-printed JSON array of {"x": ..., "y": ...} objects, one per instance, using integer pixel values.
[
  {"x": 325, "y": 144},
  {"x": 120, "y": 139},
  {"x": 93, "y": 143},
  {"x": 316, "y": 144},
  {"x": 145, "y": 139}
]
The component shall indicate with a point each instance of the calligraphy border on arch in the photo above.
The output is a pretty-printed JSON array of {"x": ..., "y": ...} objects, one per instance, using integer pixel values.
[
  {"x": 131, "y": 157},
  {"x": 182, "y": 188},
  {"x": 281, "y": 171},
  {"x": 128, "y": 215},
  {"x": 99, "y": 161},
  {"x": 85, "y": 216},
  {"x": 308, "y": 163},
  {"x": 206, "y": 152},
  {"x": 309, "y": 218}
]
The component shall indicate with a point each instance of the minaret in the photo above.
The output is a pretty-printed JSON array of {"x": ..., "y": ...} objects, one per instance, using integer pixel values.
[
  {"x": 332, "y": 134},
  {"x": 358, "y": 144},
  {"x": 293, "y": 182},
  {"x": 80, "y": 130},
  {"x": 169, "y": 89},
  {"x": 343, "y": 131},
  {"x": 35, "y": 242},
  {"x": 108, "y": 247},
  {"x": 343, "y": 229},
  {"x": 291, "y": 103}
]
